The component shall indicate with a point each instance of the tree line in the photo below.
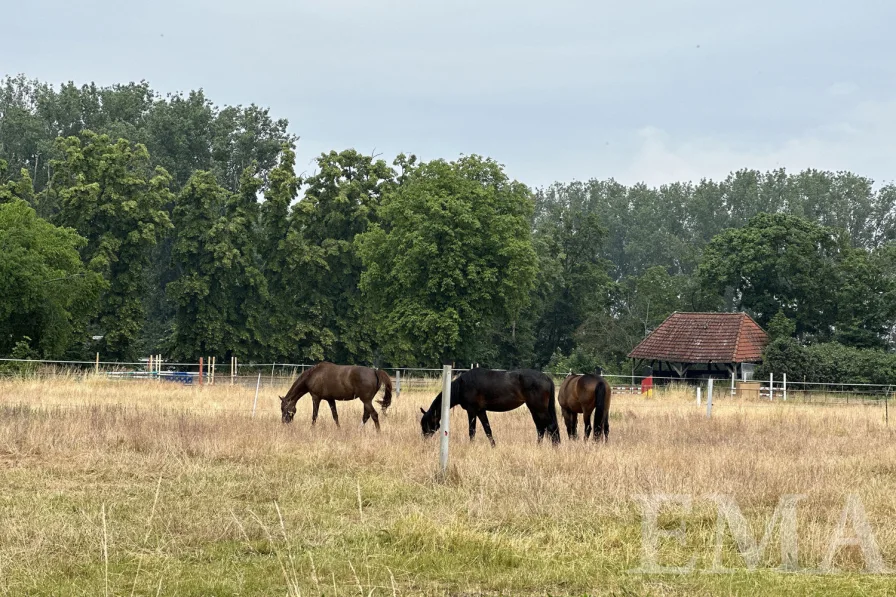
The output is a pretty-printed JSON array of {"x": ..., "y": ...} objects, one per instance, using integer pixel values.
[{"x": 134, "y": 223}]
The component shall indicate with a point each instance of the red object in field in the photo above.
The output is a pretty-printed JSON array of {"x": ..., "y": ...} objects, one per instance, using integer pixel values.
[{"x": 647, "y": 385}]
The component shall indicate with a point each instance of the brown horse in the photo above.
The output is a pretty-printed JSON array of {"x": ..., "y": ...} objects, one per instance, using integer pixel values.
[
  {"x": 329, "y": 382},
  {"x": 584, "y": 394}
]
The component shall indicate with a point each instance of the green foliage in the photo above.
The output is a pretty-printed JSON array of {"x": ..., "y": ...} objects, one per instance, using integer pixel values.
[
  {"x": 218, "y": 282},
  {"x": 784, "y": 264},
  {"x": 780, "y": 327},
  {"x": 827, "y": 363},
  {"x": 46, "y": 294},
  {"x": 341, "y": 201},
  {"x": 108, "y": 192},
  {"x": 451, "y": 255}
]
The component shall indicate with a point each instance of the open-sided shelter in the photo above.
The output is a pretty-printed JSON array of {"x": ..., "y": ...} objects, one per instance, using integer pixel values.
[{"x": 693, "y": 345}]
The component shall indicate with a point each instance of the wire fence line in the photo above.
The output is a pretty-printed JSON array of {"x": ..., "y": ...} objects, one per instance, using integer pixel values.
[{"x": 424, "y": 378}]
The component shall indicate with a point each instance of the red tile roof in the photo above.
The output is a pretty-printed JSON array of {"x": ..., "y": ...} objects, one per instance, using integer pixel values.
[{"x": 704, "y": 338}]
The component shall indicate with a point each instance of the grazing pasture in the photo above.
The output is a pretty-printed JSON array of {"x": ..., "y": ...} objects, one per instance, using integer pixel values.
[{"x": 148, "y": 488}]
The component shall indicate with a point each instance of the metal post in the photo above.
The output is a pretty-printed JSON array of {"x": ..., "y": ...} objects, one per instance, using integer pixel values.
[
  {"x": 398, "y": 383},
  {"x": 446, "y": 417},
  {"x": 709, "y": 398},
  {"x": 272, "y": 373},
  {"x": 784, "y": 386},
  {"x": 257, "y": 385},
  {"x": 771, "y": 386}
]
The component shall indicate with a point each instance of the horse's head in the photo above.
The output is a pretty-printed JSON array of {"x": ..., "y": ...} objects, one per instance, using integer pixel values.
[
  {"x": 287, "y": 409},
  {"x": 429, "y": 423}
]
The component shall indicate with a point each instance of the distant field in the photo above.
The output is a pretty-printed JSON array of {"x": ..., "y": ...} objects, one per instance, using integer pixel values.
[{"x": 148, "y": 488}]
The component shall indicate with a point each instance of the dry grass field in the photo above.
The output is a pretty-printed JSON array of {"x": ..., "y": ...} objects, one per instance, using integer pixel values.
[{"x": 148, "y": 488}]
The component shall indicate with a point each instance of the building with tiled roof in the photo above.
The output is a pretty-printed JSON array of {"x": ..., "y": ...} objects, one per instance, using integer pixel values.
[{"x": 702, "y": 344}]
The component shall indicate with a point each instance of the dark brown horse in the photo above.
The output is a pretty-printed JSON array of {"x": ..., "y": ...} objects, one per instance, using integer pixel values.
[
  {"x": 329, "y": 382},
  {"x": 480, "y": 390},
  {"x": 584, "y": 394}
]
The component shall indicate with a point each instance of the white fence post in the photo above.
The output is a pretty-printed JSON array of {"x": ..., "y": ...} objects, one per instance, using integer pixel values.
[
  {"x": 398, "y": 383},
  {"x": 784, "y": 386},
  {"x": 771, "y": 386},
  {"x": 709, "y": 398},
  {"x": 699, "y": 400},
  {"x": 446, "y": 417},
  {"x": 257, "y": 385}
]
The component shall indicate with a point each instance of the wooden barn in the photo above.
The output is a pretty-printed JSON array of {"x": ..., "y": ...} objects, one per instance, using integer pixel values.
[{"x": 695, "y": 345}]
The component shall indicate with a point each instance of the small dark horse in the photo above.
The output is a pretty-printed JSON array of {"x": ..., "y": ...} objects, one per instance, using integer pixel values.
[
  {"x": 481, "y": 390},
  {"x": 329, "y": 382},
  {"x": 584, "y": 394}
]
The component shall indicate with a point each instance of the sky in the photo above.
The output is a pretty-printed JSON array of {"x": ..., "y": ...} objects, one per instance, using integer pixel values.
[{"x": 652, "y": 91}]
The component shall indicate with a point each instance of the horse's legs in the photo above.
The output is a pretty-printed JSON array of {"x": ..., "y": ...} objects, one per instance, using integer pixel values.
[
  {"x": 572, "y": 422},
  {"x": 483, "y": 418},
  {"x": 539, "y": 424},
  {"x": 333, "y": 410},
  {"x": 471, "y": 416},
  {"x": 605, "y": 423},
  {"x": 316, "y": 401},
  {"x": 370, "y": 413},
  {"x": 586, "y": 413}
]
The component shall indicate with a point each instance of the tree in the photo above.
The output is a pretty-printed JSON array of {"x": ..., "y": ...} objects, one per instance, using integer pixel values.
[
  {"x": 451, "y": 253},
  {"x": 46, "y": 294},
  {"x": 109, "y": 193},
  {"x": 780, "y": 327},
  {"x": 219, "y": 286},
  {"x": 573, "y": 283},
  {"x": 778, "y": 263},
  {"x": 341, "y": 201}
]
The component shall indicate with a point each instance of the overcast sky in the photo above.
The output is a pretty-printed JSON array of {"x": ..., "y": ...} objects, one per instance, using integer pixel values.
[{"x": 651, "y": 90}]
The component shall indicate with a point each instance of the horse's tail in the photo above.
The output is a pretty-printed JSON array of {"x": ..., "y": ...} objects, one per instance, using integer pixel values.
[
  {"x": 552, "y": 414},
  {"x": 382, "y": 378},
  {"x": 602, "y": 393}
]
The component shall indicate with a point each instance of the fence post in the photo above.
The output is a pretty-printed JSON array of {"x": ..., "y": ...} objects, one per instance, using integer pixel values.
[
  {"x": 272, "y": 373},
  {"x": 784, "y": 386},
  {"x": 200, "y": 371},
  {"x": 699, "y": 398},
  {"x": 709, "y": 398},
  {"x": 97, "y": 369},
  {"x": 446, "y": 417},
  {"x": 733, "y": 378},
  {"x": 771, "y": 386},
  {"x": 257, "y": 385},
  {"x": 398, "y": 383}
]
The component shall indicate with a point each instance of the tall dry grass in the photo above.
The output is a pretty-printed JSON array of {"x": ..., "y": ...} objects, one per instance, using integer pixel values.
[{"x": 145, "y": 488}]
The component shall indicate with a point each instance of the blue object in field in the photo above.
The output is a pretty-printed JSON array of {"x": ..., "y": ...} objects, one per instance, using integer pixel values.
[{"x": 178, "y": 376}]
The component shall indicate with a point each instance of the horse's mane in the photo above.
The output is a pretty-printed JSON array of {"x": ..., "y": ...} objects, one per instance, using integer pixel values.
[{"x": 302, "y": 378}]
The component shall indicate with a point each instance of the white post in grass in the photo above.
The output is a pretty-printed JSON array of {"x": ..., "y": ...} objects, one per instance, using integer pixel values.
[
  {"x": 257, "y": 385},
  {"x": 784, "y": 386},
  {"x": 398, "y": 383},
  {"x": 771, "y": 386},
  {"x": 733, "y": 379},
  {"x": 709, "y": 398},
  {"x": 446, "y": 417},
  {"x": 699, "y": 398}
]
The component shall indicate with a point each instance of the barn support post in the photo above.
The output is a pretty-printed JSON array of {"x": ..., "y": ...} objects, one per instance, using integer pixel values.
[
  {"x": 709, "y": 398},
  {"x": 446, "y": 418}
]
